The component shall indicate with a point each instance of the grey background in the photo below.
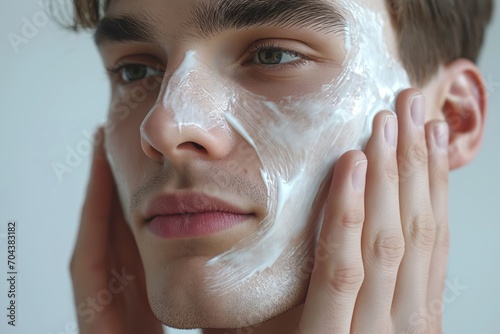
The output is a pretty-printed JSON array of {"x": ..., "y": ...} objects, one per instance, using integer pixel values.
[{"x": 54, "y": 90}]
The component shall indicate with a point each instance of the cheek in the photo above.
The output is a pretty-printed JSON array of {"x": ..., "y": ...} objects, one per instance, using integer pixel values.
[
  {"x": 295, "y": 84},
  {"x": 123, "y": 140}
]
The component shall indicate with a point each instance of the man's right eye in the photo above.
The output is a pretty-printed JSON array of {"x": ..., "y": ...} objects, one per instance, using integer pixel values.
[{"x": 128, "y": 73}]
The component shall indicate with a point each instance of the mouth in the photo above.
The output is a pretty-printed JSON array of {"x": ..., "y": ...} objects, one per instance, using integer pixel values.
[{"x": 192, "y": 215}]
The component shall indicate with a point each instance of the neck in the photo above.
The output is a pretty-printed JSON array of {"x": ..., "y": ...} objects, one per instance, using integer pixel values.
[{"x": 284, "y": 323}]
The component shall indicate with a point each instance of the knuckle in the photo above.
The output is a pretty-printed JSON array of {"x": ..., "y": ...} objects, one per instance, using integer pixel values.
[
  {"x": 352, "y": 219},
  {"x": 443, "y": 239},
  {"x": 422, "y": 230},
  {"x": 346, "y": 280},
  {"x": 421, "y": 155},
  {"x": 418, "y": 155},
  {"x": 441, "y": 176},
  {"x": 419, "y": 324},
  {"x": 391, "y": 173},
  {"x": 411, "y": 159},
  {"x": 389, "y": 248}
]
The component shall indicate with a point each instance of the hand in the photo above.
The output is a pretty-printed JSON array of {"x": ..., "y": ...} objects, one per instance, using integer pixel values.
[
  {"x": 385, "y": 232},
  {"x": 106, "y": 270}
]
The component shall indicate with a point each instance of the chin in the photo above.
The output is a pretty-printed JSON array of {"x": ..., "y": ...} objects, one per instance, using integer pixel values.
[{"x": 180, "y": 298}]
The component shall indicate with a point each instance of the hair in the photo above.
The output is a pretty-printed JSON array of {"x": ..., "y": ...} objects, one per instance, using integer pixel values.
[
  {"x": 436, "y": 32},
  {"x": 431, "y": 33}
]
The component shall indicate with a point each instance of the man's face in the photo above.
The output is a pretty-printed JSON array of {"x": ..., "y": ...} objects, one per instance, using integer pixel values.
[{"x": 226, "y": 119}]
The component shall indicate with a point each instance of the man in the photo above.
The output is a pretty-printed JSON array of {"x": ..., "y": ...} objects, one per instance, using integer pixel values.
[{"x": 220, "y": 187}]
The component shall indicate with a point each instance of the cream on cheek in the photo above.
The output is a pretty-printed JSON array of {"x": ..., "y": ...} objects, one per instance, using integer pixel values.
[{"x": 297, "y": 139}]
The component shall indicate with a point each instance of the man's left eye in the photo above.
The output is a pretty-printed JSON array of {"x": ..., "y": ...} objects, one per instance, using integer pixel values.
[{"x": 275, "y": 57}]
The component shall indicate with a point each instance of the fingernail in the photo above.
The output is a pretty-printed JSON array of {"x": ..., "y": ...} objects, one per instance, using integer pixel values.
[
  {"x": 418, "y": 110},
  {"x": 359, "y": 176},
  {"x": 441, "y": 135},
  {"x": 391, "y": 130}
]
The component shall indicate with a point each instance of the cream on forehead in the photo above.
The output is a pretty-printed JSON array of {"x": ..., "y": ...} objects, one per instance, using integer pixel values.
[{"x": 292, "y": 135}]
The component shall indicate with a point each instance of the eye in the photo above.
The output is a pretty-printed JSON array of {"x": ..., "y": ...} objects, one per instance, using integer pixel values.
[
  {"x": 275, "y": 56},
  {"x": 128, "y": 73}
]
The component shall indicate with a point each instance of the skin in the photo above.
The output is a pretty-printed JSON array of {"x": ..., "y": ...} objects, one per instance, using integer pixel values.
[{"x": 386, "y": 207}]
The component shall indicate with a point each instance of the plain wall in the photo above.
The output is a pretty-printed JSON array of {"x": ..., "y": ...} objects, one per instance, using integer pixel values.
[{"x": 53, "y": 91}]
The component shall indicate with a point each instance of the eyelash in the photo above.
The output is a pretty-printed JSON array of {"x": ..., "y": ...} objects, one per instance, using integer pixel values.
[
  {"x": 117, "y": 75},
  {"x": 272, "y": 46}
]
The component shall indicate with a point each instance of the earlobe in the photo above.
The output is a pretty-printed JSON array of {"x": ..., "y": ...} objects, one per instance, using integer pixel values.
[{"x": 464, "y": 106}]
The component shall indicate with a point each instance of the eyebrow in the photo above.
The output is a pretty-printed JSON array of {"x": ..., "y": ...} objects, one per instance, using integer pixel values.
[
  {"x": 124, "y": 29},
  {"x": 208, "y": 18},
  {"x": 214, "y": 16}
]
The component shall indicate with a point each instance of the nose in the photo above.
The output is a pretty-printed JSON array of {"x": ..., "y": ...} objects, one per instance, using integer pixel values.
[
  {"x": 188, "y": 122},
  {"x": 162, "y": 137}
]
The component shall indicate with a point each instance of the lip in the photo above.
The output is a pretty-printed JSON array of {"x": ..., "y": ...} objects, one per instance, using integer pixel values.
[{"x": 191, "y": 215}]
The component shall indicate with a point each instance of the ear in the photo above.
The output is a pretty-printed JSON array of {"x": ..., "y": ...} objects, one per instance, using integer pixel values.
[{"x": 462, "y": 102}]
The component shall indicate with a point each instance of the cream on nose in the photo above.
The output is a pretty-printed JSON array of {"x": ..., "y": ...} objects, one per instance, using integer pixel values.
[
  {"x": 188, "y": 120},
  {"x": 197, "y": 95}
]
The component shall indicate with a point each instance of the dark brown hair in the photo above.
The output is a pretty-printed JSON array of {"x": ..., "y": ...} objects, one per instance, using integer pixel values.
[
  {"x": 430, "y": 32},
  {"x": 436, "y": 32}
]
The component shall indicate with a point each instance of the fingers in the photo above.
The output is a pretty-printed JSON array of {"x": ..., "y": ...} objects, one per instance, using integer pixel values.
[
  {"x": 417, "y": 217},
  {"x": 89, "y": 261},
  {"x": 338, "y": 270},
  {"x": 382, "y": 240},
  {"x": 94, "y": 227},
  {"x": 437, "y": 134},
  {"x": 105, "y": 248},
  {"x": 406, "y": 227}
]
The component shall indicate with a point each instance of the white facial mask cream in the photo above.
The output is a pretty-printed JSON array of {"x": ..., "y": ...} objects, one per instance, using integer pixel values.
[{"x": 297, "y": 139}]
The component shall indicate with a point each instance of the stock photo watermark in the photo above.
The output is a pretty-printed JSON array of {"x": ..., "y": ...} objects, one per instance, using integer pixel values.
[
  {"x": 31, "y": 25},
  {"x": 75, "y": 155},
  {"x": 120, "y": 109},
  {"x": 71, "y": 327},
  {"x": 94, "y": 305},
  {"x": 421, "y": 321},
  {"x": 11, "y": 272}
]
